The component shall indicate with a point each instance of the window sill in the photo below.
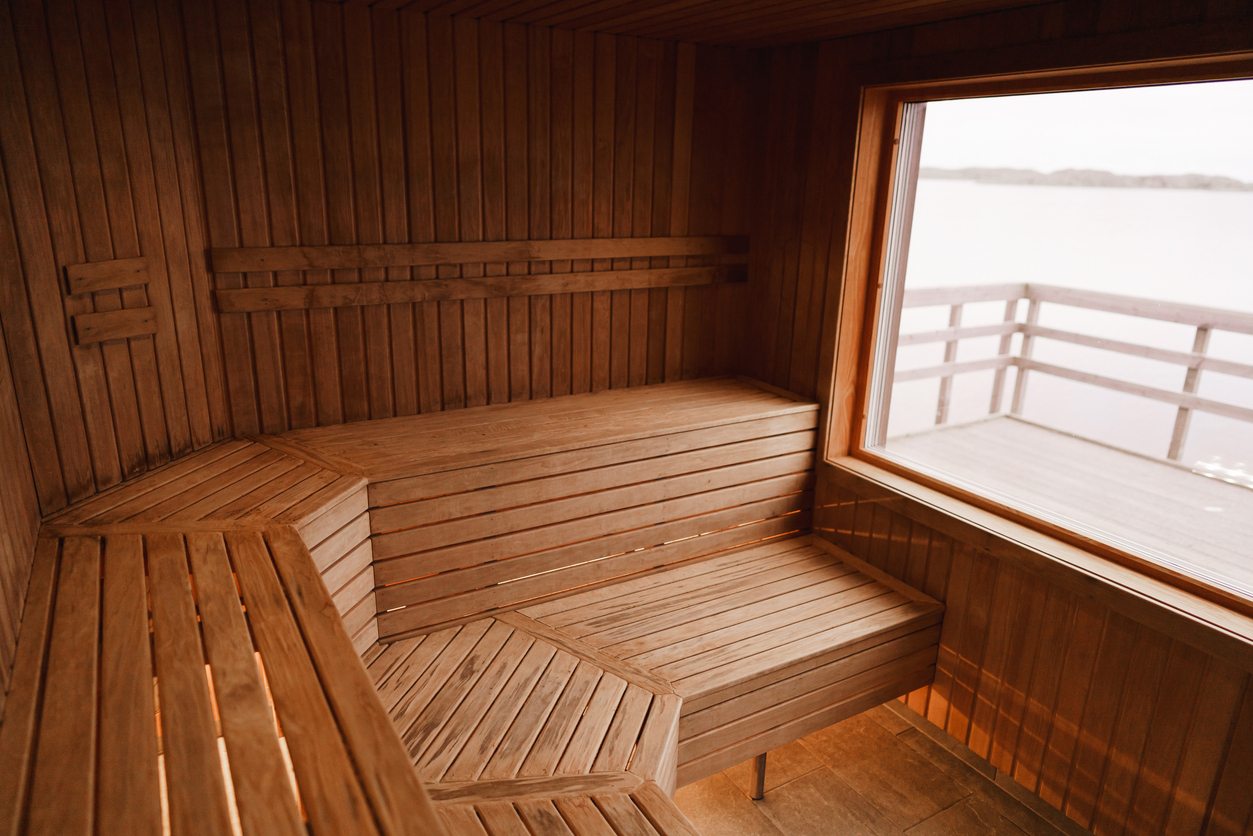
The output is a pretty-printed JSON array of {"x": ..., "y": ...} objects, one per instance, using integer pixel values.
[{"x": 1205, "y": 624}]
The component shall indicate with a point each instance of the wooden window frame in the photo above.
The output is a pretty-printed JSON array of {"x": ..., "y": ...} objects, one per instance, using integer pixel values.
[{"x": 874, "y": 160}]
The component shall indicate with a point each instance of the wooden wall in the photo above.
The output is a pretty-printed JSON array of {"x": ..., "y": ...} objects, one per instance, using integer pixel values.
[
  {"x": 799, "y": 229},
  {"x": 19, "y": 521},
  {"x": 326, "y": 124},
  {"x": 162, "y": 129},
  {"x": 1103, "y": 715},
  {"x": 97, "y": 166},
  {"x": 1096, "y": 707}
]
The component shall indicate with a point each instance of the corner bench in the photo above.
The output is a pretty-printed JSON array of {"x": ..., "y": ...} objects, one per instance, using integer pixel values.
[{"x": 579, "y": 603}]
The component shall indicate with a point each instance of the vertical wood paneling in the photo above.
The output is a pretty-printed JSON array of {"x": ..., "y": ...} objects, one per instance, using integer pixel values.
[
  {"x": 97, "y": 166},
  {"x": 19, "y": 521},
  {"x": 154, "y": 128},
  {"x": 1111, "y": 721}
]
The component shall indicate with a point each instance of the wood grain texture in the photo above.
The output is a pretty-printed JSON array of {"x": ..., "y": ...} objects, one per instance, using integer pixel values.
[
  {"x": 415, "y": 255},
  {"x": 436, "y": 290},
  {"x": 138, "y": 135},
  {"x": 19, "y": 522},
  {"x": 106, "y": 275},
  {"x": 487, "y": 119},
  {"x": 90, "y": 116}
]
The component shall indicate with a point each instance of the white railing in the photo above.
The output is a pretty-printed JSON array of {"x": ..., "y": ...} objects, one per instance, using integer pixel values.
[{"x": 1204, "y": 320}]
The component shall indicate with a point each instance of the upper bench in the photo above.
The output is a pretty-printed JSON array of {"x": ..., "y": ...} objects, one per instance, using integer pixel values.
[{"x": 475, "y": 512}]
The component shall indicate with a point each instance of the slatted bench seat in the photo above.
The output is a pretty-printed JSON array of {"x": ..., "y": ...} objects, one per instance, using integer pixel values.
[
  {"x": 244, "y": 485},
  {"x": 581, "y": 603},
  {"x": 488, "y": 701},
  {"x": 187, "y": 682},
  {"x": 764, "y": 645}
]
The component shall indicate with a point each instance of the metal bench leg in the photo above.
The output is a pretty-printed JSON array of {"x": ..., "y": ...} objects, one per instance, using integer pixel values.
[{"x": 759, "y": 777}]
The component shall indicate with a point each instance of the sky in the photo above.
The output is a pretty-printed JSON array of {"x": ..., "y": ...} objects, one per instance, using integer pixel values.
[{"x": 1204, "y": 128}]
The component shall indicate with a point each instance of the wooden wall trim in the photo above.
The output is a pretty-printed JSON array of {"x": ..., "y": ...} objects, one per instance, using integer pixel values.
[
  {"x": 107, "y": 275},
  {"x": 114, "y": 325},
  {"x": 258, "y": 259},
  {"x": 493, "y": 287},
  {"x": 1203, "y": 624}
]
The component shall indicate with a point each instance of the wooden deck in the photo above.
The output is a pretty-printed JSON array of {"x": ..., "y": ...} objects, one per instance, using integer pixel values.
[{"x": 1201, "y": 522}]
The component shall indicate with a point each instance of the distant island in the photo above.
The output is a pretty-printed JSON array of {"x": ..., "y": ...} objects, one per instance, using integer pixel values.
[{"x": 1087, "y": 177}]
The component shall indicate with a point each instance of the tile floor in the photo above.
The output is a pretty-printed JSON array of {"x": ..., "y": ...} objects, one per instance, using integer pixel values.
[{"x": 878, "y": 774}]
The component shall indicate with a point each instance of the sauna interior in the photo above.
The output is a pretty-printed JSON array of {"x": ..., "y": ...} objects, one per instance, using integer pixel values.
[{"x": 441, "y": 418}]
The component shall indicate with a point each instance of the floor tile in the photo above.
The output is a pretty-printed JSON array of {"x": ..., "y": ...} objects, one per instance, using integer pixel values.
[
  {"x": 787, "y": 763},
  {"x": 904, "y": 784},
  {"x": 973, "y": 816},
  {"x": 718, "y": 808},
  {"x": 820, "y": 804}
]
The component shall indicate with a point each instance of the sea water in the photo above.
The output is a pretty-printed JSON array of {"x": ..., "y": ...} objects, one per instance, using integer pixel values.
[{"x": 1193, "y": 247}]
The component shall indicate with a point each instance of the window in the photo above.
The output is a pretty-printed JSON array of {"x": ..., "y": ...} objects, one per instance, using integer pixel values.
[{"x": 1063, "y": 324}]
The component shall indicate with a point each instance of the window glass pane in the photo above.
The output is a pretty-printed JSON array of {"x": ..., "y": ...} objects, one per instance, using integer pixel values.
[{"x": 1067, "y": 322}]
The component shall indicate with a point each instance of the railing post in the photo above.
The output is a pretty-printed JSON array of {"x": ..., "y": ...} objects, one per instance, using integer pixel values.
[
  {"x": 1007, "y": 340},
  {"x": 950, "y": 355},
  {"x": 1020, "y": 382},
  {"x": 1191, "y": 382}
]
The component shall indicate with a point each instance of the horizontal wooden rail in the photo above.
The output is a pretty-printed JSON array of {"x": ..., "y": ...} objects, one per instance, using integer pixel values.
[
  {"x": 442, "y": 290},
  {"x": 114, "y": 325},
  {"x": 1239, "y": 413},
  {"x": 1217, "y": 318},
  {"x": 1181, "y": 358},
  {"x": 930, "y": 296},
  {"x": 1196, "y": 315},
  {"x": 947, "y": 369},
  {"x": 106, "y": 275},
  {"x": 350, "y": 257},
  {"x": 944, "y": 335},
  {"x": 1203, "y": 320}
]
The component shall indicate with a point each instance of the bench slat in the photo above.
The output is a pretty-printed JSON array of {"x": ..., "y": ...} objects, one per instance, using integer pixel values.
[
  {"x": 428, "y": 684},
  {"x": 544, "y": 489},
  {"x": 625, "y": 620},
  {"x": 541, "y": 816},
  {"x": 526, "y": 727},
  {"x": 21, "y": 714},
  {"x": 63, "y": 783},
  {"x": 796, "y": 583},
  {"x": 325, "y": 774},
  {"x": 129, "y": 784},
  {"x": 263, "y": 792},
  {"x": 399, "y": 802},
  {"x": 551, "y": 743},
  {"x": 415, "y": 488},
  {"x": 485, "y": 739},
  {"x": 193, "y": 767},
  {"x": 583, "y": 606},
  {"x": 777, "y": 517},
  {"x": 447, "y": 744},
  {"x": 590, "y": 733}
]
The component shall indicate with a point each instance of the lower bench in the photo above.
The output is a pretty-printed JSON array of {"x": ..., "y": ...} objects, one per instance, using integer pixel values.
[{"x": 746, "y": 650}]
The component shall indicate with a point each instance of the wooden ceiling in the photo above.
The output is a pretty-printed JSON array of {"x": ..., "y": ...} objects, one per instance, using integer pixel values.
[{"x": 754, "y": 23}]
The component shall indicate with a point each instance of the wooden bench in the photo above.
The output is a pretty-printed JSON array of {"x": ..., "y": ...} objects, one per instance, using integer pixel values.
[
  {"x": 119, "y": 722},
  {"x": 483, "y": 510},
  {"x": 764, "y": 645},
  {"x": 245, "y": 485},
  {"x": 583, "y": 603}
]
